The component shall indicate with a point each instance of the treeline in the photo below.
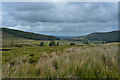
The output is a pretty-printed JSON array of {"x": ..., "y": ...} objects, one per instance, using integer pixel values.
[
  {"x": 28, "y": 35},
  {"x": 51, "y": 43}
]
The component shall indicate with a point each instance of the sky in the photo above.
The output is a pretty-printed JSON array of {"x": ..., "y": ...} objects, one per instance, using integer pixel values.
[{"x": 61, "y": 18}]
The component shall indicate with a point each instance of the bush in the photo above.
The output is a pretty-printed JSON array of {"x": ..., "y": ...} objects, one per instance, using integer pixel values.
[
  {"x": 52, "y": 43},
  {"x": 12, "y": 44},
  {"x": 21, "y": 45},
  {"x": 12, "y": 62},
  {"x": 96, "y": 42},
  {"x": 72, "y": 43},
  {"x": 18, "y": 45},
  {"x": 32, "y": 60},
  {"x": 42, "y": 44},
  {"x": 55, "y": 64},
  {"x": 103, "y": 42},
  {"x": 31, "y": 55},
  {"x": 57, "y": 43},
  {"x": 85, "y": 42},
  {"x": 24, "y": 60}
]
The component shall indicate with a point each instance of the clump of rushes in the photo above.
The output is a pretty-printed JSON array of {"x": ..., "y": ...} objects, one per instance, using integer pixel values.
[
  {"x": 55, "y": 64},
  {"x": 86, "y": 61},
  {"x": 31, "y": 55},
  {"x": 41, "y": 43},
  {"x": 52, "y": 43},
  {"x": 85, "y": 42},
  {"x": 24, "y": 60},
  {"x": 32, "y": 60},
  {"x": 12, "y": 62},
  {"x": 72, "y": 43},
  {"x": 12, "y": 44},
  {"x": 57, "y": 43}
]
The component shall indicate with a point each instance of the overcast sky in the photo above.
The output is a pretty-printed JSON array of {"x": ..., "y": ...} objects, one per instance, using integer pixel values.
[{"x": 61, "y": 18}]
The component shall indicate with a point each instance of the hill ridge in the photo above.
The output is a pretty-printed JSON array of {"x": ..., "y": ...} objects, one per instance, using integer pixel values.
[
  {"x": 111, "y": 36},
  {"x": 26, "y": 35}
]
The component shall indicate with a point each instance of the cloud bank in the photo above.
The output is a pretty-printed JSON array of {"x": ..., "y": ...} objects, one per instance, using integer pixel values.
[{"x": 61, "y": 18}]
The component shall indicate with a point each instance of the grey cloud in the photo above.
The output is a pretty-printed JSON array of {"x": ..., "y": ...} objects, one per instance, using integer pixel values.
[
  {"x": 0, "y": 14},
  {"x": 27, "y": 6},
  {"x": 69, "y": 18},
  {"x": 66, "y": 29},
  {"x": 60, "y": 12}
]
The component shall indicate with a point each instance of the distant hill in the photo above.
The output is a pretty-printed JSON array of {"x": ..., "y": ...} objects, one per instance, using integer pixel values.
[
  {"x": 66, "y": 37},
  {"x": 100, "y": 36},
  {"x": 17, "y": 34}
]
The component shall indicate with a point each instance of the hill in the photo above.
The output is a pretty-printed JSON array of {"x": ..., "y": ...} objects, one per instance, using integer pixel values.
[
  {"x": 17, "y": 34},
  {"x": 101, "y": 36},
  {"x": 66, "y": 37}
]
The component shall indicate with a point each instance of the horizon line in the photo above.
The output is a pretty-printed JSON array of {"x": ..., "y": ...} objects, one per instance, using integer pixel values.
[{"x": 62, "y": 35}]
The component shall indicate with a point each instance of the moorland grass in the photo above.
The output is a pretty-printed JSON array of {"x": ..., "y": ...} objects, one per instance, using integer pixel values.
[{"x": 83, "y": 61}]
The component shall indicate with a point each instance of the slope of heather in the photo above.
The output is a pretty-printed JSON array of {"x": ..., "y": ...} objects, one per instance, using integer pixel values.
[
  {"x": 101, "y": 36},
  {"x": 17, "y": 34}
]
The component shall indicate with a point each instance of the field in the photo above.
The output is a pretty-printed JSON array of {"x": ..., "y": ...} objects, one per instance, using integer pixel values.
[{"x": 63, "y": 61}]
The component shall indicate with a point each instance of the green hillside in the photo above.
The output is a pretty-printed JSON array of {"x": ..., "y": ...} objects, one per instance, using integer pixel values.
[
  {"x": 101, "y": 36},
  {"x": 17, "y": 34}
]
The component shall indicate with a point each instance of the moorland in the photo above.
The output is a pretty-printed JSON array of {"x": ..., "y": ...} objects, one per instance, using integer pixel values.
[{"x": 31, "y": 55}]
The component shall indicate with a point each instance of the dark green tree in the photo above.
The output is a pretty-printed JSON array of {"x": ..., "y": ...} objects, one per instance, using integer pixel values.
[
  {"x": 57, "y": 43},
  {"x": 12, "y": 44},
  {"x": 41, "y": 43},
  {"x": 52, "y": 43},
  {"x": 103, "y": 42},
  {"x": 85, "y": 42},
  {"x": 72, "y": 43}
]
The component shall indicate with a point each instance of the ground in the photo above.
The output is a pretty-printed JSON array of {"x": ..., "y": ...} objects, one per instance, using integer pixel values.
[{"x": 64, "y": 61}]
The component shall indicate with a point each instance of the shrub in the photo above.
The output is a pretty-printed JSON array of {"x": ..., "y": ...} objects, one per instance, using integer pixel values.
[
  {"x": 32, "y": 60},
  {"x": 72, "y": 43},
  {"x": 52, "y": 43},
  {"x": 38, "y": 71},
  {"x": 12, "y": 62},
  {"x": 24, "y": 60},
  {"x": 55, "y": 64},
  {"x": 12, "y": 44},
  {"x": 21, "y": 45},
  {"x": 31, "y": 55},
  {"x": 42, "y": 44},
  {"x": 57, "y": 43},
  {"x": 96, "y": 42},
  {"x": 103, "y": 42},
  {"x": 17, "y": 45},
  {"x": 85, "y": 42}
]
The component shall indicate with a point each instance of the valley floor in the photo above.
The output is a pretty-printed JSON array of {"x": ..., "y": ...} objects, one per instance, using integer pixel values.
[{"x": 83, "y": 61}]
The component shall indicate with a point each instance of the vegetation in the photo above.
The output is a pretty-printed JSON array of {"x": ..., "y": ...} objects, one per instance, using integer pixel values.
[
  {"x": 85, "y": 41},
  {"x": 103, "y": 42},
  {"x": 83, "y": 61},
  {"x": 52, "y": 43},
  {"x": 72, "y": 43},
  {"x": 24, "y": 58},
  {"x": 42, "y": 44},
  {"x": 27, "y": 35},
  {"x": 57, "y": 43},
  {"x": 21, "y": 45},
  {"x": 105, "y": 36},
  {"x": 12, "y": 44}
]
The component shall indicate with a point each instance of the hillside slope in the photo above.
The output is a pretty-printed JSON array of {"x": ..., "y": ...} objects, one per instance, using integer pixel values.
[
  {"x": 17, "y": 34},
  {"x": 101, "y": 36}
]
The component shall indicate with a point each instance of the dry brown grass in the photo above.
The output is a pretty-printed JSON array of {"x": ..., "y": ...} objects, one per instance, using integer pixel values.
[{"x": 88, "y": 61}]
